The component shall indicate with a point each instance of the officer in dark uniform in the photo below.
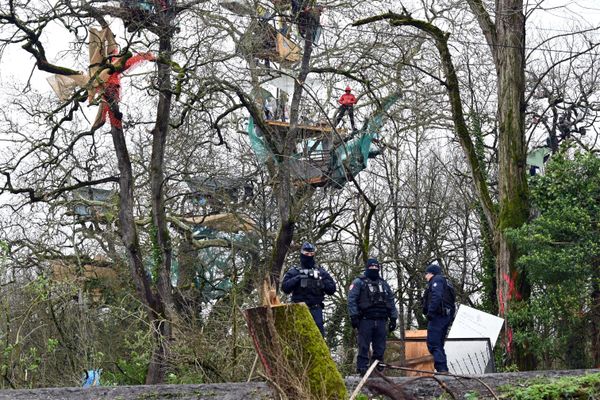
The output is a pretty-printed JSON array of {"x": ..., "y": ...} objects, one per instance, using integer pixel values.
[
  {"x": 370, "y": 305},
  {"x": 439, "y": 309},
  {"x": 309, "y": 283}
]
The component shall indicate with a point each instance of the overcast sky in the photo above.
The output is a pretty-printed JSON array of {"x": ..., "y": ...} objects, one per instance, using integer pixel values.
[{"x": 552, "y": 17}]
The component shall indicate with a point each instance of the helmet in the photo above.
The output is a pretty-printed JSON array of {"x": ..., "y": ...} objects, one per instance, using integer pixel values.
[
  {"x": 433, "y": 268},
  {"x": 373, "y": 263},
  {"x": 308, "y": 248},
  {"x": 348, "y": 89}
]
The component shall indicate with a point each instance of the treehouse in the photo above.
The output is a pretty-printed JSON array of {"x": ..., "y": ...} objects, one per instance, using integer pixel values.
[
  {"x": 206, "y": 226},
  {"x": 536, "y": 159},
  {"x": 324, "y": 156},
  {"x": 218, "y": 192},
  {"x": 91, "y": 203},
  {"x": 273, "y": 45},
  {"x": 94, "y": 277}
]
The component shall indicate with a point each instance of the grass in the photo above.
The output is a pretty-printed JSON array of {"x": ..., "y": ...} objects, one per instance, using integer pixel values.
[{"x": 578, "y": 387}]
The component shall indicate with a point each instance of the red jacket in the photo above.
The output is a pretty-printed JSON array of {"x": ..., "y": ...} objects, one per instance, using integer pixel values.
[{"x": 347, "y": 99}]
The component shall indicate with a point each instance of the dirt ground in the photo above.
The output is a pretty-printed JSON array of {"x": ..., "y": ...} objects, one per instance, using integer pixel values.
[{"x": 414, "y": 388}]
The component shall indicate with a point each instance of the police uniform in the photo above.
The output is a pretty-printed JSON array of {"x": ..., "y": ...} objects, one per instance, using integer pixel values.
[
  {"x": 309, "y": 285},
  {"x": 440, "y": 315},
  {"x": 370, "y": 305}
]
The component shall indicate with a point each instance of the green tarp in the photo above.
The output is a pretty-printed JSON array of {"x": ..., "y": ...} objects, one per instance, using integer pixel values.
[{"x": 349, "y": 157}]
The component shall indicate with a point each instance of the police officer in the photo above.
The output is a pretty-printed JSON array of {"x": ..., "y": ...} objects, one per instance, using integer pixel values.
[
  {"x": 370, "y": 305},
  {"x": 309, "y": 283},
  {"x": 439, "y": 308}
]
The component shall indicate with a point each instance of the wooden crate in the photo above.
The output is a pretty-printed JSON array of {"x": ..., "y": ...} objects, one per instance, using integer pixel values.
[{"x": 415, "y": 347}]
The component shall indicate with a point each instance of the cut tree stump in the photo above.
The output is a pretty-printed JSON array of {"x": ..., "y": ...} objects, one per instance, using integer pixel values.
[{"x": 293, "y": 353}]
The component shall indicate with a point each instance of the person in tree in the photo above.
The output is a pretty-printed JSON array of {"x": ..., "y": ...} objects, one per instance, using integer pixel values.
[
  {"x": 310, "y": 18},
  {"x": 438, "y": 306},
  {"x": 370, "y": 305},
  {"x": 347, "y": 102},
  {"x": 309, "y": 283}
]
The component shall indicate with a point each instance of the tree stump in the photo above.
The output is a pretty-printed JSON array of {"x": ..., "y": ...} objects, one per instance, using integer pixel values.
[{"x": 293, "y": 353}]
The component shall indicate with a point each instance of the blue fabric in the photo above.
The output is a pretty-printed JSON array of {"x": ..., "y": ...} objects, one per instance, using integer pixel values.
[
  {"x": 307, "y": 246},
  {"x": 372, "y": 274},
  {"x": 354, "y": 299},
  {"x": 92, "y": 377},
  {"x": 317, "y": 314},
  {"x": 307, "y": 261},
  {"x": 371, "y": 332},
  {"x": 372, "y": 261},
  {"x": 436, "y": 286},
  {"x": 291, "y": 284},
  {"x": 437, "y": 329},
  {"x": 433, "y": 269}
]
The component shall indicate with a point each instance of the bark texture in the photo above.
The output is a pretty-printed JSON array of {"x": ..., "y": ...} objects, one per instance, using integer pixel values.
[{"x": 293, "y": 352}]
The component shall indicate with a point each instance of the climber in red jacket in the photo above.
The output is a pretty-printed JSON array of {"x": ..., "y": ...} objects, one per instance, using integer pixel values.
[{"x": 347, "y": 102}]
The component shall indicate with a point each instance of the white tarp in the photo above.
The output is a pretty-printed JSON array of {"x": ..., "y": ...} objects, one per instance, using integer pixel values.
[
  {"x": 472, "y": 323},
  {"x": 284, "y": 82}
]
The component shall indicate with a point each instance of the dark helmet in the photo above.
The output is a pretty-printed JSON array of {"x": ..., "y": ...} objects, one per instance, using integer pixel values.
[
  {"x": 373, "y": 263},
  {"x": 348, "y": 89},
  {"x": 433, "y": 268},
  {"x": 308, "y": 248}
]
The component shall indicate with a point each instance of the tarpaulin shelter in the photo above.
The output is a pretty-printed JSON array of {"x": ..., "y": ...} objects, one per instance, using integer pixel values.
[
  {"x": 103, "y": 81},
  {"x": 328, "y": 157}
]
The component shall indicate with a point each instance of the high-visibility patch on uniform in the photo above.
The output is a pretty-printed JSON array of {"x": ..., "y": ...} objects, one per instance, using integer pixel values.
[
  {"x": 351, "y": 286},
  {"x": 434, "y": 284}
]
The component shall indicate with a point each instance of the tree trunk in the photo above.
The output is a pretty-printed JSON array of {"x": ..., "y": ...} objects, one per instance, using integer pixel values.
[
  {"x": 289, "y": 201},
  {"x": 293, "y": 353},
  {"x": 162, "y": 250},
  {"x": 595, "y": 315},
  {"x": 512, "y": 153},
  {"x": 128, "y": 230},
  {"x": 160, "y": 302}
]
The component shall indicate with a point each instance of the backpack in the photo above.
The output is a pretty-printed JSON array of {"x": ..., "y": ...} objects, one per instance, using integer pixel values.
[{"x": 449, "y": 298}]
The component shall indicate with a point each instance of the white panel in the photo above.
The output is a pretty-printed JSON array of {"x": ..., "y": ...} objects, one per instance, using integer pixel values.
[
  {"x": 472, "y": 323},
  {"x": 471, "y": 357}
]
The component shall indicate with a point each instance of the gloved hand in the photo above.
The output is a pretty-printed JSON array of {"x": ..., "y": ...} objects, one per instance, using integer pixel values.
[
  {"x": 355, "y": 321},
  {"x": 392, "y": 325}
]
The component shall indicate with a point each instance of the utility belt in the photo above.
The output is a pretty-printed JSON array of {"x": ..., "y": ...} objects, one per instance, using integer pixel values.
[{"x": 375, "y": 318}]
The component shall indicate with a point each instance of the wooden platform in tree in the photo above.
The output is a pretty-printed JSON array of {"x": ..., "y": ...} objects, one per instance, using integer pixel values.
[
  {"x": 305, "y": 131},
  {"x": 279, "y": 48},
  {"x": 224, "y": 222}
]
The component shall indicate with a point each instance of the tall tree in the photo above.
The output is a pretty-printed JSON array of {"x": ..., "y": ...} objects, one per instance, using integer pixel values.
[
  {"x": 153, "y": 291},
  {"x": 506, "y": 40}
]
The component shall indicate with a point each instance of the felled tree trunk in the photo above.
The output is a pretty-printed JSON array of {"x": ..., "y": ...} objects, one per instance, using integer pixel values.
[{"x": 293, "y": 353}]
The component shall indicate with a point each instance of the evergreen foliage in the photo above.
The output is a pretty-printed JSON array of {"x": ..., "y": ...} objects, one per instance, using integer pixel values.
[{"x": 559, "y": 254}]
